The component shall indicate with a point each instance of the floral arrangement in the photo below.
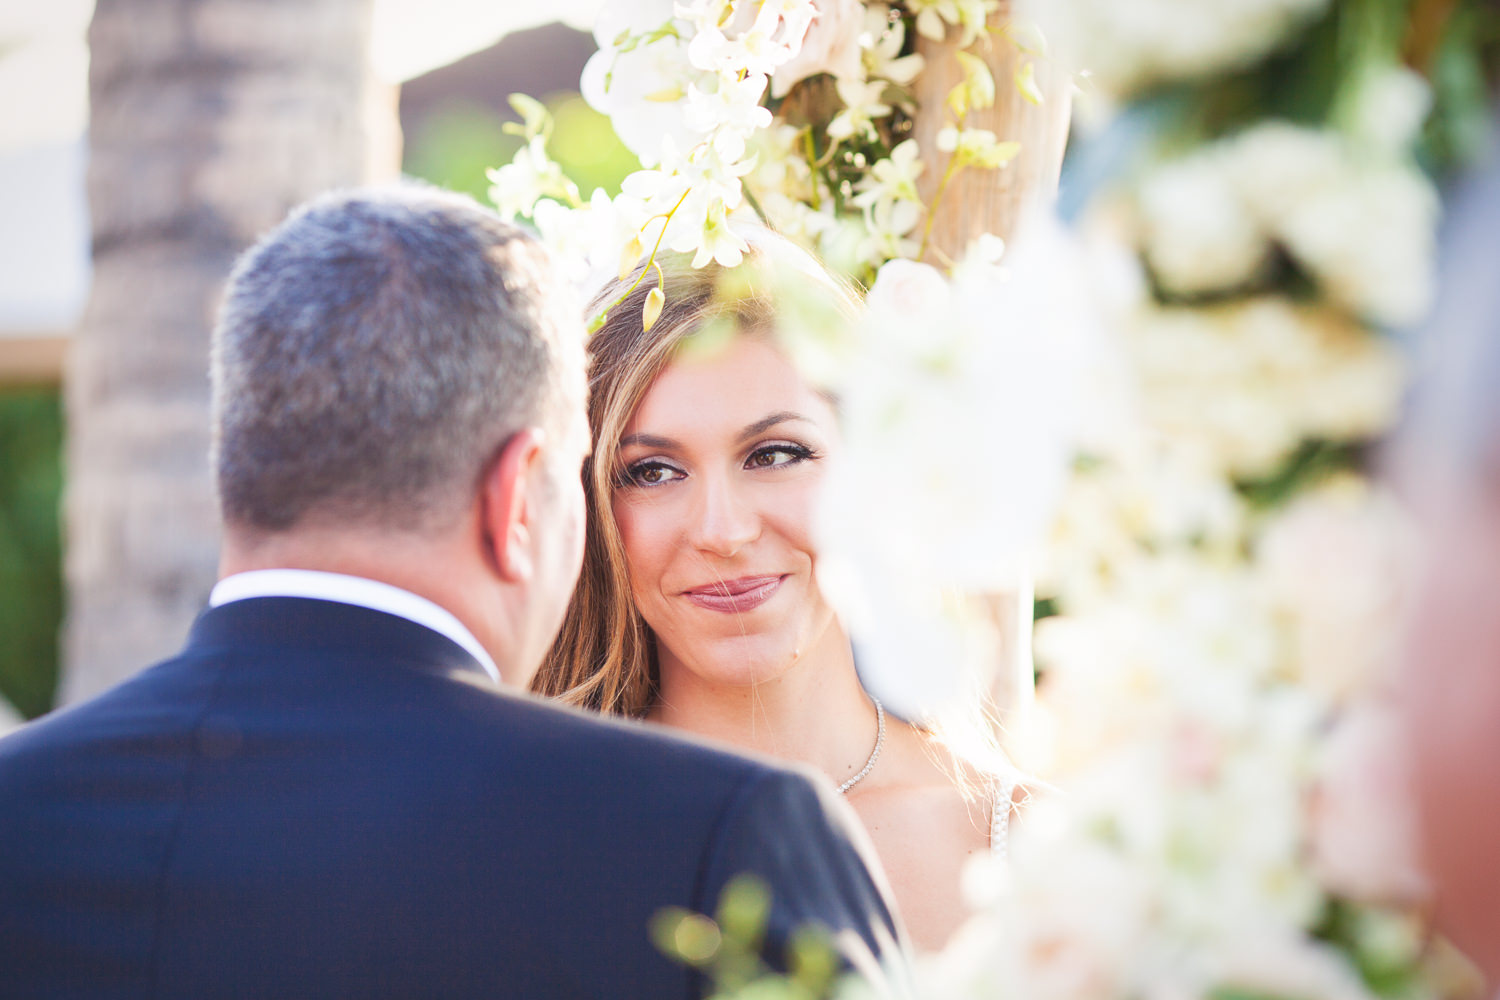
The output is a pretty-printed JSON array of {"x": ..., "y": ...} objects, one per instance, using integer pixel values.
[
  {"x": 1224, "y": 587},
  {"x": 795, "y": 112},
  {"x": 1179, "y": 398}
]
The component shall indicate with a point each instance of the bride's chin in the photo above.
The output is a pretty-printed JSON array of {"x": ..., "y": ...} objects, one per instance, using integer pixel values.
[{"x": 737, "y": 662}]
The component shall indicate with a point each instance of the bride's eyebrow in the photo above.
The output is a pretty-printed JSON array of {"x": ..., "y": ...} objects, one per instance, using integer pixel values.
[
  {"x": 649, "y": 441},
  {"x": 766, "y": 423}
]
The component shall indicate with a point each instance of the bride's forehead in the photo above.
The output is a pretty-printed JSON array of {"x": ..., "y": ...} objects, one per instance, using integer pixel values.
[
  {"x": 700, "y": 383},
  {"x": 712, "y": 399}
]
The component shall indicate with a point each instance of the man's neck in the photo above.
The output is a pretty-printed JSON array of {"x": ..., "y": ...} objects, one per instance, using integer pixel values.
[{"x": 436, "y": 568}]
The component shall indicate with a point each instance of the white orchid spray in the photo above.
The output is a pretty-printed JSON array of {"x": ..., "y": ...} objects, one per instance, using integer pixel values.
[{"x": 771, "y": 111}]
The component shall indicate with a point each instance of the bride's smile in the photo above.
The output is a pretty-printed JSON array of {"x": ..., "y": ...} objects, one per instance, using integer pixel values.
[{"x": 735, "y": 596}]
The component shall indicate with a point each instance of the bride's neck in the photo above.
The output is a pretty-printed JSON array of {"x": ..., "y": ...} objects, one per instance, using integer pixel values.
[{"x": 815, "y": 713}]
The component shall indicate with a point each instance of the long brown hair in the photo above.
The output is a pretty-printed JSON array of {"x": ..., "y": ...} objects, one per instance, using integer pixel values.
[{"x": 604, "y": 657}]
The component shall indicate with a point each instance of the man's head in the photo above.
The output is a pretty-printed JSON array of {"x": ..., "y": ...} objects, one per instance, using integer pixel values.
[{"x": 398, "y": 370}]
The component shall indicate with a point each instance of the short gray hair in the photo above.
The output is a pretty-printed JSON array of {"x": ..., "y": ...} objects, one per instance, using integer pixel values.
[{"x": 375, "y": 351}]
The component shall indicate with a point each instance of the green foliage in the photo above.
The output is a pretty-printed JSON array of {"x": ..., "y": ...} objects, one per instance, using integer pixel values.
[
  {"x": 1315, "y": 77},
  {"x": 456, "y": 145},
  {"x": 584, "y": 143},
  {"x": 1311, "y": 463},
  {"x": 1459, "y": 125},
  {"x": 728, "y": 949},
  {"x": 1389, "y": 963},
  {"x": 462, "y": 140},
  {"x": 31, "y": 589}
]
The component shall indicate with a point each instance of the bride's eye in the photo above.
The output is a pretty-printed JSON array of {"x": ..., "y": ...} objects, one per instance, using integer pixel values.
[
  {"x": 771, "y": 456},
  {"x": 651, "y": 472}
]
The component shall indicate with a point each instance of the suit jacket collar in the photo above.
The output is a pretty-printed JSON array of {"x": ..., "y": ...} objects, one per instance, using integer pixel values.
[{"x": 302, "y": 623}]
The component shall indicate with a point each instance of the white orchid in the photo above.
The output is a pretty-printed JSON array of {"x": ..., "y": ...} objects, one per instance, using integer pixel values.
[
  {"x": 881, "y": 40},
  {"x": 530, "y": 177},
  {"x": 968, "y": 16},
  {"x": 863, "y": 103},
  {"x": 976, "y": 147},
  {"x": 893, "y": 181},
  {"x": 640, "y": 73},
  {"x": 728, "y": 103}
]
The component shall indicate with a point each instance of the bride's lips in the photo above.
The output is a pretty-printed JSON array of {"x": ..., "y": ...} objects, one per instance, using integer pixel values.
[{"x": 735, "y": 596}]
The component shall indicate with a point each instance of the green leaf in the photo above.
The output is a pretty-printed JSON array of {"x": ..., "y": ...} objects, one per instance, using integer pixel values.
[
  {"x": 689, "y": 937},
  {"x": 535, "y": 118},
  {"x": 812, "y": 960},
  {"x": 744, "y": 908}
]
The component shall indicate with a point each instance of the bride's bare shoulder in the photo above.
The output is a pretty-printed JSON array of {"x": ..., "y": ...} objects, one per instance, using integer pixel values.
[
  {"x": 926, "y": 817},
  {"x": 920, "y": 794}
]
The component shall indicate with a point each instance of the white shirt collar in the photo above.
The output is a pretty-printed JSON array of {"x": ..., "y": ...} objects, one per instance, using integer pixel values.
[{"x": 354, "y": 590}]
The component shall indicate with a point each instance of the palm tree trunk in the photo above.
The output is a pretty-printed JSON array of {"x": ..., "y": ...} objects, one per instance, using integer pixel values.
[{"x": 209, "y": 120}]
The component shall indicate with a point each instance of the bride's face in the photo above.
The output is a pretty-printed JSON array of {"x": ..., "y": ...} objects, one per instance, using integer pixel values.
[{"x": 719, "y": 470}]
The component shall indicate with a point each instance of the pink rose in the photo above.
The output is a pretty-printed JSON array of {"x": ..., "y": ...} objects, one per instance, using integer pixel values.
[
  {"x": 1364, "y": 828},
  {"x": 831, "y": 45},
  {"x": 909, "y": 290}
]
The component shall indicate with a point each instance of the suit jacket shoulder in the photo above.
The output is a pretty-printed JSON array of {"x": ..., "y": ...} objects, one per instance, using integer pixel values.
[{"x": 316, "y": 799}]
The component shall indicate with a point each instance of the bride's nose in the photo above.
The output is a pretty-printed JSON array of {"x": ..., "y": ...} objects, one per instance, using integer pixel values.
[{"x": 723, "y": 520}]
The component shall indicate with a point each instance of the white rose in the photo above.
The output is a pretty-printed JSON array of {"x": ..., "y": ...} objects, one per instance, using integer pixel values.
[
  {"x": 831, "y": 45},
  {"x": 1198, "y": 235},
  {"x": 1282, "y": 961}
]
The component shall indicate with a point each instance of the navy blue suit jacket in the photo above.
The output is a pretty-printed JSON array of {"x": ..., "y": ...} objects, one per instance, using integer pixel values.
[{"x": 315, "y": 799}]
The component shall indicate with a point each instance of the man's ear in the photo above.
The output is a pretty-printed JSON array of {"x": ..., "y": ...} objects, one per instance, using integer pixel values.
[{"x": 505, "y": 519}]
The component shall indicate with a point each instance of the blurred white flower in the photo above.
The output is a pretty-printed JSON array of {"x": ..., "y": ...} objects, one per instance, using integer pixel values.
[
  {"x": 1127, "y": 47},
  {"x": 1280, "y": 961},
  {"x": 1363, "y": 226},
  {"x": 1251, "y": 380},
  {"x": 974, "y": 386},
  {"x": 717, "y": 240},
  {"x": 1393, "y": 103},
  {"x": 1197, "y": 233},
  {"x": 1371, "y": 241}
]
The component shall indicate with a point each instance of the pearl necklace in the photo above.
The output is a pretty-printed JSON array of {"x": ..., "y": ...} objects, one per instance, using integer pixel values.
[{"x": 875, "y": 753}]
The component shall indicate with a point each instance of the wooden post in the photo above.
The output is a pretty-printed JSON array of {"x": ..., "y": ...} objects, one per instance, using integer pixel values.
[
  {"x": 990, "y": 201},
  {"x": 209, "y": 120},
  {"x": 979, "y": 201}
]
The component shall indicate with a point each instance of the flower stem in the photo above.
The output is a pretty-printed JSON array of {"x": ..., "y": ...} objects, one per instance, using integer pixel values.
[
  {"x": 598, "y": 320},
  {"x": 810, "y": 153},
  {"x": 937, "y": 196}
]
